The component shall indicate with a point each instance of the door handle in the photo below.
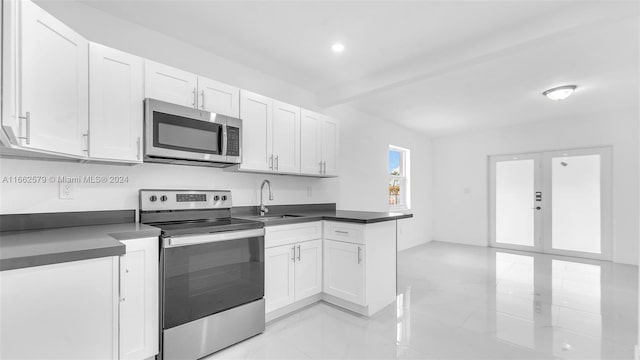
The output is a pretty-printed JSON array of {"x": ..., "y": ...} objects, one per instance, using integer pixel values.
[{"x": 299, "y": 252}]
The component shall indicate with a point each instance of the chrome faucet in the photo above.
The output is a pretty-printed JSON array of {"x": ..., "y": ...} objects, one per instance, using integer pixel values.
[{"x": 263, "y": 209}]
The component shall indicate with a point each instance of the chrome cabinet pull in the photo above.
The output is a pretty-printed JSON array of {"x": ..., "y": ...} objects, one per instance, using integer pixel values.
[
  {"x": 27, "y": 118},
  {"x": 86, "y": 136},
  {"x": 271, "y": 162},
  {"x": 277, "y": 163},
  {"x": 293, "y": 258},
  {"x": 195, "y": 98},
  {"x": 298, "y": 252},
  {"x": 138, "y": 148},
  {"x": 324, "y": 163},
  {"x": 202, "y": 104},
  {"x": 320, "y": 167},
  {"x": 342, "y": 232},
  {"x": 359, "y": 257}
]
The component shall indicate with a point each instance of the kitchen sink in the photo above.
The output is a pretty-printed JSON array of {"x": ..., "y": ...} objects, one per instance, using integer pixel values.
[{"x": 277, "y": 217}]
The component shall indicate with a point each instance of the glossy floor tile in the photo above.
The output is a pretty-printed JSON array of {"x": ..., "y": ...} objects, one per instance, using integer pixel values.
[{"x": 466, "y": 302}]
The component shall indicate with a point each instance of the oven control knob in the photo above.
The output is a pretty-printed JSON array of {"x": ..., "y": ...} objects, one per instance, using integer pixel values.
[
  {"x": 224, "y": 197},
  {"x": 153, "y": 198},
  {"x": 163, "y": 198},
  {"x": 216, "y": 198}
]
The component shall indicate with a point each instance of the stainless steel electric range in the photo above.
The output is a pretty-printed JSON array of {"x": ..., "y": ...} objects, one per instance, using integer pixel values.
[{"x": 211, "y": 271}]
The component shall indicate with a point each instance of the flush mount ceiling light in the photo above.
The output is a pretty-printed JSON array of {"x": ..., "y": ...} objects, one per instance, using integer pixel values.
[
  {"x": 559, "y": 92},
  {"x": 337, "y": 48}
]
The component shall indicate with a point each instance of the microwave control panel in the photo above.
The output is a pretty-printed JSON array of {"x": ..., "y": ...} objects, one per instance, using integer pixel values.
[{"x": 233, "y": 141}]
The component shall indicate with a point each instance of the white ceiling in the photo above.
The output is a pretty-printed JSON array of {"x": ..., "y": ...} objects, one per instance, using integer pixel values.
[{"x": 439, "y": 67}]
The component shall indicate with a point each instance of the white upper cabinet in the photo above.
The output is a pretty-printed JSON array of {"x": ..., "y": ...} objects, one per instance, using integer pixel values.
[
  {"x": 256, "y": 112},
  {"x": 329, "y": 147},
  {"x": 286, "y": 138},
  {"x": 219, "y": 98},
  {"x": 310, "y": 143},
  {"x": 271, "y": 134},
  {"x": 318, "y": 144},
  {"x": 116, "y": 99},
  {"x": 54, "y": 83},
  {"x": 166, "y": 83}
]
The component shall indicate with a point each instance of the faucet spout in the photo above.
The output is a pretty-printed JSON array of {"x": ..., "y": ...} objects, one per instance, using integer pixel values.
[{"x": 263, "y": 208}]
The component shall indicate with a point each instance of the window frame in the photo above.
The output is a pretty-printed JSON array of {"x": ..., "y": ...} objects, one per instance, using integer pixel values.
[{"x": 404, "y": 179}]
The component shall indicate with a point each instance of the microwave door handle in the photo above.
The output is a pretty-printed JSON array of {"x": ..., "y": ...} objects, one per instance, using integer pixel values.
[{"x": 222, "y": 140}]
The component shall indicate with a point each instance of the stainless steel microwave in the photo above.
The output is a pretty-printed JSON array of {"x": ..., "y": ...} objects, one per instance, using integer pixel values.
[{"x": 182, "y": 135}]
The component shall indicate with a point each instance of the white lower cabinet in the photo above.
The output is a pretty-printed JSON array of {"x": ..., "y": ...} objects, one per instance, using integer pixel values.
[
  {"x": 60, "y": 311},
  {"x": 139, "y": 299},
  {"x": 360, "y": 265},
  {"x": 344, "y": 271},
  {"x": 293, "y": 264}
]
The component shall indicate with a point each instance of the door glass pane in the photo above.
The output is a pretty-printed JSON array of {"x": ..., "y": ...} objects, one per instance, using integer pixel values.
[
  {"x": 514, "y": 202},
  {"x": 575, "y": 185}
]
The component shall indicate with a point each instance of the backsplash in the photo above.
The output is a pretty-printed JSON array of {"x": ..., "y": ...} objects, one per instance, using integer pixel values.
[{"x": 123, "y": 182}]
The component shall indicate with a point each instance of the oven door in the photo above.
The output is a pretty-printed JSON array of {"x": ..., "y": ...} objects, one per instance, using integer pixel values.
[
  {"x": 207, "y": 274},
  {"x": 179, "y": 132}
]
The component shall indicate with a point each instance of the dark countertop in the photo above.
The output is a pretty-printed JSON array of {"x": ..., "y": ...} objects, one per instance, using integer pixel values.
[
  {"x": 27, "y": 248},
  {"x": 359, "y": 217}
]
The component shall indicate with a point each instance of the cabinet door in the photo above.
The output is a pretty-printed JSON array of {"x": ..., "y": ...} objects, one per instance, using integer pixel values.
[
  {"x": 344, "y": 269},
  {"x": 279, "y": 263},
  {"x": 256, "y": 112},
  {"x": 116, "y": 99},
  {"x": 169, "y": 84},
  {"x": 218, "y": 98},
  {"x": 308, "y": 278},
  {"x": 139, "y": 299},
  {"x": 330, "y": 146},
  {"x": 286, "y": 138},
  {"x": 54, "y": 79},
  {"x": 60, "y": 311},
  {"x": 310, "y": 143}
]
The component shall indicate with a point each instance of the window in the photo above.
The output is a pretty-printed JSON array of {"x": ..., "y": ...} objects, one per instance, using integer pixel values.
[{"x": 399, "y": 184}]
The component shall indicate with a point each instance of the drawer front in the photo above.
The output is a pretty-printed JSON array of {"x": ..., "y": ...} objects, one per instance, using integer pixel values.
[
  {"x": 289, "y": 234},
  {"x": 342, "y": 231}
]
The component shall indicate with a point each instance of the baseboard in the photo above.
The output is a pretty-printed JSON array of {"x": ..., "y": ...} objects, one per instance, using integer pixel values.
[{"x": 275, "y": 314}]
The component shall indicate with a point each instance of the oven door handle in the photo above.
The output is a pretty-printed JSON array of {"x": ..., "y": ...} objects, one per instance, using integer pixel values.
[{"x": 186, "y": 240}]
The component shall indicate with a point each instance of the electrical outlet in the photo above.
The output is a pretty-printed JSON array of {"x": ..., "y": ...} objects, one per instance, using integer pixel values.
[{"x": 67, "y": 191}]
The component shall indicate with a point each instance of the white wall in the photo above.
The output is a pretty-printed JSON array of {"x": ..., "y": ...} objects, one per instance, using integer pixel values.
[
  {"x": 363, "y": 177},
  {"x": 460, "y": 162},
  {"x": 364, "y": 142}
]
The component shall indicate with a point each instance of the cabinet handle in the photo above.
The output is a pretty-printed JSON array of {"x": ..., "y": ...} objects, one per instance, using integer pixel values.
[
  {"x": 138, "y": 147},
  {"x": 320, "y": 167},
  {"x": 271, "y": 162},
  {"x": 324, "y": 163},
  {"x": 123, "y": 266},
  {"x": 202, "y": 95},
  {"x": 342, "y": 232},
  {"x": 293, "y": 258},
  {"x": 195, "y": 98},
  {"x": 27, "y": 118},
  {"x": 359, "y": 257},
  {"x": 86, "y": 136},
  {"x": 277, "y": 163},
  {"x": 299, "y": 252}
]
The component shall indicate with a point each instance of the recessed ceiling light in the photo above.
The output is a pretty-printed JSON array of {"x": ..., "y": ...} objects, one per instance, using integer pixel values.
[
  {"x": 559, "y": 92},
  {"x": 337, "y": 48}
]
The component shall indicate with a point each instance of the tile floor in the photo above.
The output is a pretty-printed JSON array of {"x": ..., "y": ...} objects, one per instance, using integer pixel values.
[{"x": 466, "y": 302}]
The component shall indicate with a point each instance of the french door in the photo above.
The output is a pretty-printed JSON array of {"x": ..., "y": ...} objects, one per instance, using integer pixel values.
[{"x": 556, "y": 202}]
